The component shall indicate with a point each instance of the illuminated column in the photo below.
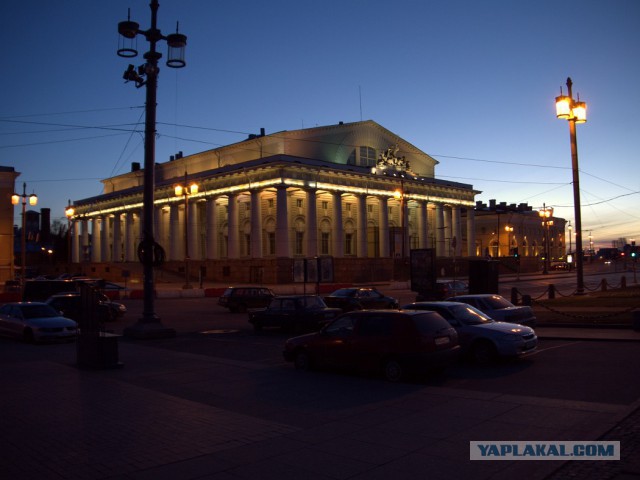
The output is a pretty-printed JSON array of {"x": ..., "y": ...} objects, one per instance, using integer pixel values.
[
  {"x": 457, "y": 230},
  {"x": 384, "y": 227},
  {"x": 362, "y": 226},
  {"x": 84, "y": 248},
  {"x": 312, "y": 224},
  {"x": 337, "y": 227},
  {"x": 256, "y": 225},
  {"x": 440, "y": 250},
  {"x": 95, "y": 239},
  {"x": 448, "y": 233},
  {"x": 176, "y": 235},
  {"x": 212, "y": 229},
  {"x": 233, "y": 247},
  {"x": 117, "y": 237},
  {"x": 104, "y": 239},
  {"x": 282, "y": 222},
  {"x": 423, "y": 225},
  {"x": 129, "y": 237},
  {"x": 194, "y": 238},
  {"x": 471, "y": 232}
]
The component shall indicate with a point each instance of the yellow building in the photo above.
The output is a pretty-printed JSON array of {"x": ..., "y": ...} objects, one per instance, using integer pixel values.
[
  {"x": 7, "y": 189},
  {"x": 353, "y": 192}
]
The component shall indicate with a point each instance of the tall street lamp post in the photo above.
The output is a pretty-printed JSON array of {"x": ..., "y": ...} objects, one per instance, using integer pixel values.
[
  {"x": 149, "y": 325},
  {"x": 575, "y": 112},
  {"x": 545, "y": 214},
  {"x": 184, "y": 190},
  {"x": 15, "y": 200},
  {"x": 69, "y": 212}
]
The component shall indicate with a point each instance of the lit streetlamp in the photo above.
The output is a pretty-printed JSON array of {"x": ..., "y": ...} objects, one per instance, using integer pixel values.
[
  {"x": 149, "y": 325},
  {"x": 509, "y": 230},
  {"x": 399, "y": 195},
  {"x": 184, "y": 190},
  {"x": 23, "y": 199},
  {"x": 574, "y": 112},
  {"x": 69, "y": 212},
  {"x": 545, "y": 214},
  {"x": 570, "y": 255}
]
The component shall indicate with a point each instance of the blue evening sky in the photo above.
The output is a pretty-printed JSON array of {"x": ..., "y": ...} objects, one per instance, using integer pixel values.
[{"x": 470, "y": 83}]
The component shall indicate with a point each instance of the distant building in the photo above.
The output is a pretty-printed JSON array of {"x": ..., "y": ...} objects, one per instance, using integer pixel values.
[{"x": 504, "y": 230}]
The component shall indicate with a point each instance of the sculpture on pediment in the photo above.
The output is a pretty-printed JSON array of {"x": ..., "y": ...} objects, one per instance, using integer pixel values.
[{"x": 390, "y": 158}]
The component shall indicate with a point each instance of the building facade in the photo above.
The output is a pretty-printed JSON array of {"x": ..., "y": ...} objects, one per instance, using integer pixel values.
[{"x": 356, "y": 193}]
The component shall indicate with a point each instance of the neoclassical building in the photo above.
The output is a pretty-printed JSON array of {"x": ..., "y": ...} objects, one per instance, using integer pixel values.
[{"x": 353, "y": 192}]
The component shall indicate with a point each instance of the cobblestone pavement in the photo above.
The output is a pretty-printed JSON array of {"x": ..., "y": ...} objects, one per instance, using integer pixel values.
[{"x": 627, "y": 468}]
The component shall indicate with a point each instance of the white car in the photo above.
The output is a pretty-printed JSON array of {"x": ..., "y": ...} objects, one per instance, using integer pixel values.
[
  {"x": 499, "y": 308},
  {"x": 35, "y": 322}
]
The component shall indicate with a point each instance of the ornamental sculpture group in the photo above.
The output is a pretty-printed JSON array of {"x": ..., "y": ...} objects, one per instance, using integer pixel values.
[{"x": 389, "y": 158}]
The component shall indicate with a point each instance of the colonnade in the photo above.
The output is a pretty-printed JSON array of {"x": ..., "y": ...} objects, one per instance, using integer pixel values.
[{"x": 276, "y": 223}]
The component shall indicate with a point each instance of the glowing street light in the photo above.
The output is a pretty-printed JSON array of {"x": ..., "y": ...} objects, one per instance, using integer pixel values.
[
  {"x": 546, "y": 214},
  {"x": 184, "y": 190},
  {"x": 23, "y": 199},
  {"x": 574, "y": 112}
]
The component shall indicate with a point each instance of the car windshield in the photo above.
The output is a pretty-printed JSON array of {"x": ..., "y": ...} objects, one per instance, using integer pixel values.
[
  {"x": 496, "y": 302},
  {"x": 344, "y": 292},
  {"x": 430, "y": 323},
  {"x": 38, "y": 311},
  {"x": 469, "y": 315}
]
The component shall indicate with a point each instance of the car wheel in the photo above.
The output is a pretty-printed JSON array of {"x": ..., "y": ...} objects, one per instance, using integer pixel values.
[
  {"x": 27, "y": 336},
  {"x": 483, "y": 352},
  {"x": 302, "y": 361},
  {"x": 392, "y": 370}
]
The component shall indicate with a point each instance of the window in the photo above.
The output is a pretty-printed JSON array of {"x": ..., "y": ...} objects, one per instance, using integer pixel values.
[
  {"x": 299, "y": 202},
  {"x": 370, "y": 208},
  {"x": 325, "y": 205},
  {"x": 247, "y": 206},
  {"x": 270, "y": 202},
  {"x": 367, "y": 157},
  {"x": 324, "y": 244},
  {"x": 375, "y": 325},
  {"x": 347, "y": 207},
  {"x": 348, "y": 244},
  {"x": 299, "y": 243},
  {"x": 271, "y": 238}
]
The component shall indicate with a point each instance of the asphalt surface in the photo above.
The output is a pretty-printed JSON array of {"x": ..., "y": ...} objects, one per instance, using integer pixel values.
[{"x": 179, "y": 412}]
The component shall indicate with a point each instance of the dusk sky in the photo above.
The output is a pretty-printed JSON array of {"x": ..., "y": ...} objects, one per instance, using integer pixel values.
[{"x": 470, "y": 83}]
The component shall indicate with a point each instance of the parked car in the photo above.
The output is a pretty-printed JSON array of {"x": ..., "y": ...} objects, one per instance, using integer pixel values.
[
  {"x": 70, "y": 305},
  {"x": 499, "y": 308},
  {"x": 295, "y": 313},
  {"x": 391, "y": 342},
  {"x": 359, "y": 298},
  {"x": 239, "y": 299},
  {"x": 481, "y": 338},
  {"x": 35, "y": 322},
  {"x": 444, "y": 289}
]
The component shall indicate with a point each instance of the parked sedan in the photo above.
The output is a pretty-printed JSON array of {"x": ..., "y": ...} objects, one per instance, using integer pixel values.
[
  {"x": 294, "y": 312},
  {"x": 35, "y": 322},
  {"x": 70, "y": 306},
  {"x": 499, "y": 308},
  {"x": 359, "y": 298},
  {"x": 482, "y": 339},
  {"x": 444, "y": 289},
  {"x": 391, "y": 342}
]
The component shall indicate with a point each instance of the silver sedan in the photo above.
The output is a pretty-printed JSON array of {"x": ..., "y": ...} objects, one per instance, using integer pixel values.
[{"x": 35, "y": 322}]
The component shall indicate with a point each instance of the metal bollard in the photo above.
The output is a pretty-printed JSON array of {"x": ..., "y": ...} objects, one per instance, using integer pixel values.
[
  {"x": 514, "y": 295},
  {"x": 603, "y": 284},
  {"x": 552, "y": 291},
  {"x": 623, "y": 282},
  {"x": 526, "y": 300}
]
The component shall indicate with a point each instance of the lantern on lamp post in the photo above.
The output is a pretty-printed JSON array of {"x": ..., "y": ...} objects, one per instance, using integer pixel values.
[
  {"x": 23, "y": 199},
  {"x": 186, "y": 190},
  {"x": 574, "y": 112}
]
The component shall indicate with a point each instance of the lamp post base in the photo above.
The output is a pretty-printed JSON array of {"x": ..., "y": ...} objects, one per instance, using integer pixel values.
[{"x": 145, "y": 330}]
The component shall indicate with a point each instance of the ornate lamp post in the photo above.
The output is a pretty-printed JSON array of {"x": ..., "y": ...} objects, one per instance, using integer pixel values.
[
  {"x": 15, "y": 200},
  {"x": 184, "y": 190},
  {"x": 149, "y": 325},
  {"x": 575, "y": 112},
  {"x": 545, "y": 214}
]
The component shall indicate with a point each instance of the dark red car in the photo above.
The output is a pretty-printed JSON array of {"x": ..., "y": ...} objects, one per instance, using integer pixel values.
[{"x": 391, "y": 342}]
